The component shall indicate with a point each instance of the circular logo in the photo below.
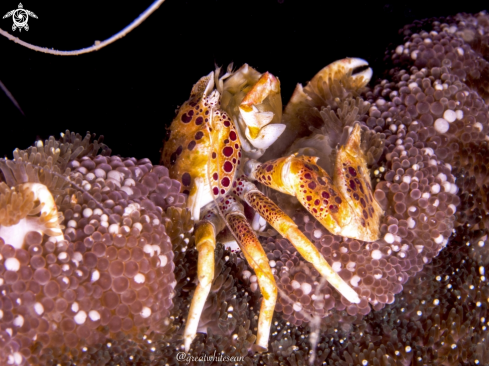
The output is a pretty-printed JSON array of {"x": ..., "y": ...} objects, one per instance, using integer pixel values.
[{"x": 20, "y": 17}]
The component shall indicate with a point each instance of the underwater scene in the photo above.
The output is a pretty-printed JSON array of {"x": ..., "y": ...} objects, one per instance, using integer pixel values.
[{"x": 256, "y": 183}]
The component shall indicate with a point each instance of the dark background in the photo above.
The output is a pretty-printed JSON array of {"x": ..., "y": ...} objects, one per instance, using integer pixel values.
[{"x": 129, "y": 91}]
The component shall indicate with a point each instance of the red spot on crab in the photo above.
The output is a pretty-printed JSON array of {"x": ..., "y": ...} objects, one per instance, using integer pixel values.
[
  {"x": 325, "y": 194},
  {"x": 199, "y": 121},
  {"x": 215, "y": 190},
  {"x": 269, "y": 168},
  {"x": 225, "y": 182},
  {"x": 228, "y": 167},
  {"x": 199, "y": 135},
  {"x": 227, "y": 151},
  {"x": 186, "y": 179},
  {"x": 312, "y": 185},
  {"x": 232, "y": 136},
  {"x": 214, "y": 155},
  {"x": 352, "y": 171},
  {"x": 307, "y": 176},
  {"x": 226, "y": 123},
  {"x": 215, "y": 176},
  {"x": 187, "y": 117}
]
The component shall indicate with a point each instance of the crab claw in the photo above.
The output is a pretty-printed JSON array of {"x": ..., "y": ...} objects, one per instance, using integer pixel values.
[
  {"x": 344, "y": 205},
  {"x": 333, "y": 84},
  {"x": 360, "y": 72},
  {"x": 253, "y": 99},
  {"x": 353, "y": 72}
]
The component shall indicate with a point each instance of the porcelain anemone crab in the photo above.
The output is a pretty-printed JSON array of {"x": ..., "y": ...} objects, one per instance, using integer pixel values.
[{"x": 214, "y": 145}]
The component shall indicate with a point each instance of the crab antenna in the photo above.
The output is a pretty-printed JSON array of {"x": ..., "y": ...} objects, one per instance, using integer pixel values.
[{"x": 98, "y": 45}]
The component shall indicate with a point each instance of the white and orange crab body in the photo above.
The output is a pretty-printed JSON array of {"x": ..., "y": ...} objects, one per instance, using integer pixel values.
[
  {"x": 212, "y": 136},
  {"x": 204, "y": 152}
]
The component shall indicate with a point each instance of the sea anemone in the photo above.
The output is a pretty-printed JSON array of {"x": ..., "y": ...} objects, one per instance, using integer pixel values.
[
  {"x": 431, "y": 115},
  {"x": 108, "y": 281}
]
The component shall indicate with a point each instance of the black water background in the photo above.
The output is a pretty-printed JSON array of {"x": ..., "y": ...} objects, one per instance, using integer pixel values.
[{"x": 129, "y": 91}]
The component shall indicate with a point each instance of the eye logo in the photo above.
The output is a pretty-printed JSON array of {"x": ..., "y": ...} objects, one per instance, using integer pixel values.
[{"x": 20, "y": 17}]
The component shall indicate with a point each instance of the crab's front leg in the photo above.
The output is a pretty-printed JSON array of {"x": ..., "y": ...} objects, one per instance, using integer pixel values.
[{"x": 344, "y": 205}]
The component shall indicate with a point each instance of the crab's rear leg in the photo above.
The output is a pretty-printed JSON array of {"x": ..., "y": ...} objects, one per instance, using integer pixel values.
[
  {"x": 257, "y": 259},
  {"x": 281, "y": 222}
]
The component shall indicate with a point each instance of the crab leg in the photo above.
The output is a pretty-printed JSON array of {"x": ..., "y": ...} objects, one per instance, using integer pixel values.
[
  {"x": 281, "y": 222},
  {"x": 257, "y": 259},
  {"x": 205, "y": 242}
]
